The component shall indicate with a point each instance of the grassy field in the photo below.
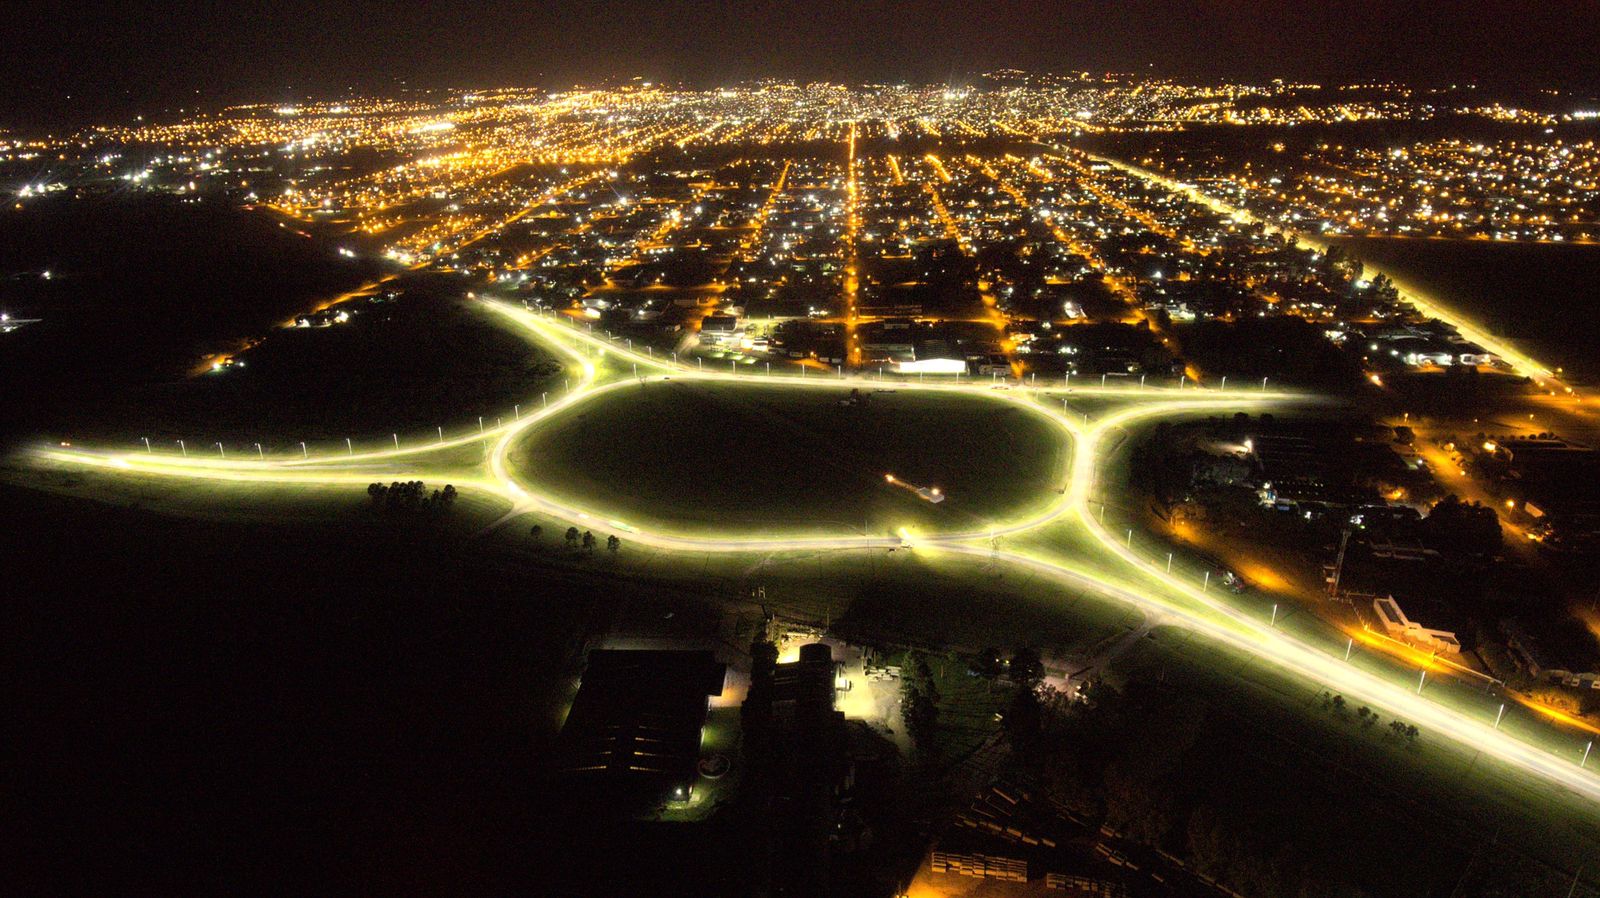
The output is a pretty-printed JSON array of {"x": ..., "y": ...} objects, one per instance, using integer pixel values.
[
  {"x": 687, "y": 458},
  {"x": 393, "y": 680},
  {"x": 427, "y": 359},
  {"x": 1408, "y": 818}
]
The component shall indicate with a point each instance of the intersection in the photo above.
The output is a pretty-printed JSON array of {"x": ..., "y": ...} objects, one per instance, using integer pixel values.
[{"x": 1077, "y": 546}]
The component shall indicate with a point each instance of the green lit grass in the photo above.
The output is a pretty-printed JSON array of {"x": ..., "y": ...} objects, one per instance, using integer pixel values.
[{"x": 691, "y": 458}]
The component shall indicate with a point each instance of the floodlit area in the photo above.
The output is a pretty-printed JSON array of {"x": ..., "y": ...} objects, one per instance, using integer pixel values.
[{"x": 599, "y": 371}]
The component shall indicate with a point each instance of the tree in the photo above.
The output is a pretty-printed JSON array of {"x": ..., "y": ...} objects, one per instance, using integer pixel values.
[
  {"x": 449, "y": 494},
  {"x": 588, "y": 541},
  {"x": 613, "y": 544},
  {"x": 919, "y": 703},
  {"x": 572, "y": 537},
  {"x": 1027, "y": 668},
  {"x": 1466, "y": 527},
  {"x": 535, "y": 531},
  {"x": 1024, "y": 719},
  {"x": 1402, "y": 730}
]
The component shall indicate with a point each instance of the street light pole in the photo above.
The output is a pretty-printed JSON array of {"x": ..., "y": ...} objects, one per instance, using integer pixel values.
[
  {"x": 147, "y": 445},
  {"x": 184, "y": 449}
]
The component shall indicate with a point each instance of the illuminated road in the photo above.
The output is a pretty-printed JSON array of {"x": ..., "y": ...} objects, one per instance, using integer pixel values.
[
  {"x": 1411, "y": 293},
  {"x": 599, "y": 366}
]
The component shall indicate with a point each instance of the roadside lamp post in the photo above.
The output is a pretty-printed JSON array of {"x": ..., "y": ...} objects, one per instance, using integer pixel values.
[
  {"x": 480, "y": 424},
  {"x": 1498, "y": 715},
  {"x": 1130, "y": 537},
  {"x": 349, "y": 446},
  {"x": 516, "y": 410},
  {"x": 1141, "y": 381},
  {"x": 1586, "y": 750},
  {"x": 1351, "y": 644},
  {"x": 544, "y": 400},
  {"x": 1224, "y": 382},
  {"x": 184, "y": 449},
  {"x": 1182, "y": 379},
  {"x": 1102, "y": 380},
  {"x": 147, "y": 445},
  {"x": 303, "y": 452},
  {"x": 1274, "y": 615},
  {"x": 440, "y": 428},
  {"x": 1421, "y": 680},
  {"x": 1263, "y": 383},
  {"x": 1206, "y": 586},
  {"x": 220, "y": 451},
  {"x": 396, "y": 441},
  {"x": 1169, "y": 562},
  {"x": 261, "y": 452}
]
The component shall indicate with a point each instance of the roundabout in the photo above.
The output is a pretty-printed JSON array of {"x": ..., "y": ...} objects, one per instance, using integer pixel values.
[{"x": 1048, "y": 519}]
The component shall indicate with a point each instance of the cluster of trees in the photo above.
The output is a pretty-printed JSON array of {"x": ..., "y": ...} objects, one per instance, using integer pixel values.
[
  {"x": 1459, "y": 527},
  {"x": 585, "y": 540},
  {"x": 1367, "y": 717},
  {"x": 409, "y": 496},
  {"x": 1166, "y": 768},
  {"x": 919, "y": 703}
]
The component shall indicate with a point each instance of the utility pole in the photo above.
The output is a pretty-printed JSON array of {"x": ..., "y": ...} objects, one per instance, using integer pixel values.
[{"x": 1338, "y": 565}]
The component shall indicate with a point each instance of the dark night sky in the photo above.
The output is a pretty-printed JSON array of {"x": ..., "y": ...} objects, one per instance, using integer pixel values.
[{"x": 140, "y": 55}]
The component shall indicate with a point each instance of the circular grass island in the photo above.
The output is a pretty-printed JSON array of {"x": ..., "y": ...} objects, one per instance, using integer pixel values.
[{"x": 697, "y": 458}]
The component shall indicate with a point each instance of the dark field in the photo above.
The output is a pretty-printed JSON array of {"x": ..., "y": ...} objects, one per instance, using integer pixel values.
[
  {"x": 681, "y": 456},
  {"x": 1544, "y": 296},
  {"x": 427, "y": 359},
  {"x": 140, "y": 289}
]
